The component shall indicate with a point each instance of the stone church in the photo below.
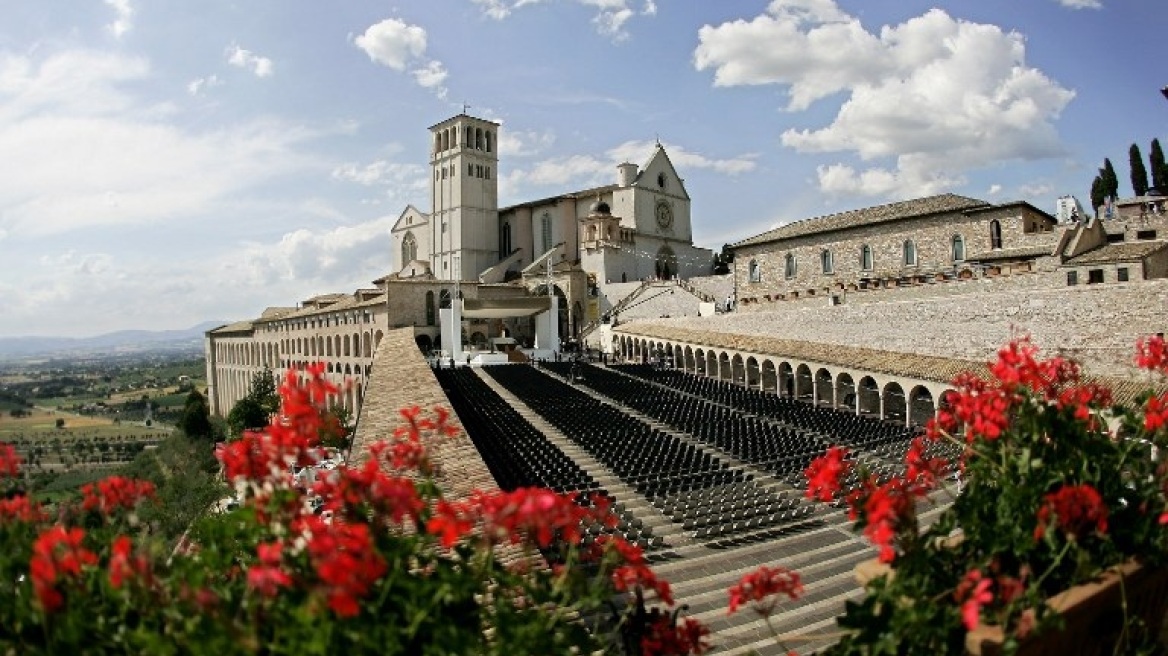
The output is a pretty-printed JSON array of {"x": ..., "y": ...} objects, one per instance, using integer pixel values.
[{"x": 638, "y": 228}]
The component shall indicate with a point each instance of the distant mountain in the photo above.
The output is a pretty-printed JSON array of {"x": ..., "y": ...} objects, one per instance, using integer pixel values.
[{"x": 121, "y": 341}]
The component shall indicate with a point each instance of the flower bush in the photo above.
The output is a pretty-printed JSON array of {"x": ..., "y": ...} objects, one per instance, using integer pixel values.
[
  {"x": 1057, "y": 486},
  {"x": 372, "y": 558}
]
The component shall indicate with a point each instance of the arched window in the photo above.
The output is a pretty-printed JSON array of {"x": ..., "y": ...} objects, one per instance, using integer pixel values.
[
  {"x": 478, "y": 139},
  {"x": 409, "y": 249},
  {"x": 469, "y": 137},
  {"x": 910, "y": 253},
  {"x": 826, "y": 260},
  {"x": 755, "y": 272},
  {"x": 504, "y": 240},
  {"x": 958, "y": 248},
  {"x": 790, "y": 266},
  {"x": 865, "y": 258},
  {"x": 489, "y": 141},
  {"x": 545, "y": 226},
  {"x": 444, "y": 299},
  {"x": 995, "y": 234},
  {"x": 430, "y": 308}
]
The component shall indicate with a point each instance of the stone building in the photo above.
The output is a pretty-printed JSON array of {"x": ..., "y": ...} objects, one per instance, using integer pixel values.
[
  {"x": 940, "y": 239},
  {"x": 636, "y": 229},
  {"x": 342, "y": 331}
]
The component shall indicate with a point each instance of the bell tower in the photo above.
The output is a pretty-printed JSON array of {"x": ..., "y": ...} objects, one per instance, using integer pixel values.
[{"x": 464, "y": 195}]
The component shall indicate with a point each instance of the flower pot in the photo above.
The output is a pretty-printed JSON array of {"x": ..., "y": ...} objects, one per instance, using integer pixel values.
[
  {"x": 1093, "y": 615},
  {"x": 1093, "y": 612}
]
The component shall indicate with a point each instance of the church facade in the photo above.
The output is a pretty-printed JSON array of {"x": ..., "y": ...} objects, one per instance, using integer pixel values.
[{"x": 637, "y": 228}]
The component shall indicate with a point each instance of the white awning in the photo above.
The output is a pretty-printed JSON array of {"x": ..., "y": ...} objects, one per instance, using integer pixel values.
[{"x": 504, "y": 307}]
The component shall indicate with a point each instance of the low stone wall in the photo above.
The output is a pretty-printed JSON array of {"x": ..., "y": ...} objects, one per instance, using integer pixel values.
[
  {"x": 1096, "y": 324},
  {"x": 401, "y": 378}
]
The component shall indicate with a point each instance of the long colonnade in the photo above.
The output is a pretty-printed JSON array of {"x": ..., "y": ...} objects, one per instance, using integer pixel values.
[
  {"x": 237, "y": 358},
  {"x": 865, "y": 392}
]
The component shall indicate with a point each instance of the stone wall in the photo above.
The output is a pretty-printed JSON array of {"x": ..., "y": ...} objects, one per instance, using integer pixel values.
[
  {"x": 932, "y": 237},
  {"x": 1097, "y": 324},
  {"x": 401, "y": 378}
]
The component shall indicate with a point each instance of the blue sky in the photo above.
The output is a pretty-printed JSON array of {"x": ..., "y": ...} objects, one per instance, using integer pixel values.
[{"x": 171, "y": 162}]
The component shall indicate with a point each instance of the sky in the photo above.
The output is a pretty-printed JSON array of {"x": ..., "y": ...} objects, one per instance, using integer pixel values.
[{"x": 172, "y": 162}]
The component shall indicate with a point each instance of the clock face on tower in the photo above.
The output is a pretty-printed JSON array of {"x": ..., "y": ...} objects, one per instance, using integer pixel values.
[{"x": 664, "y": 215}]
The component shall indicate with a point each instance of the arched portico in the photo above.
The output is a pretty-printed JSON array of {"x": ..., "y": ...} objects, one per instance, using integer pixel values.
[
  {"x": 868, "y": 397},
  {"x": 920, "y": 406},
  {"x": 752, "y": 373},
  {"x": 786, "y": 380},
  {"x": 724, "y": 368},
  {"x": 895, "y": 403},
  {"x": 845, "y": 392},
  {"x": 804, "y": 389},
  {"x": 769, "y": 377},
  {"x": 738, "y": 370},
  {"x": 824, "y": 388}
]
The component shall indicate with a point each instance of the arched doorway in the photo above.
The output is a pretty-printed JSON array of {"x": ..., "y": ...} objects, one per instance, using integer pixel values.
[
  {"x": 824, "y": 390},
  {"x": 666, "y": 265},
  {"x": 803, "y": 381},
  {"x": 845, "y": 392},
  {"x": 920, "y": 407},
  {"x": 895, "y": 403},
  {"x": 869, "y": 397}
]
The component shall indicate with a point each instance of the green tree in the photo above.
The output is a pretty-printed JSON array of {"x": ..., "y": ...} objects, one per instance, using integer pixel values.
[
  {"x": 723, "y": 260},
  {"x": 1159, "y": 167},
  {"x": 1110, "y": 180},
  {"x": 338, "y": 427},
  {"x": 1139, "y": 174},
  {"x": 195, "y": 421},
  {"x": 1097, "y": 193},
  {"x": 254, "y": 410}
]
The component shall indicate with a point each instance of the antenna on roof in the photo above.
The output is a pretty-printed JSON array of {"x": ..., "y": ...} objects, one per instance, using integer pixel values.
[{"x": 465, "y": 107}]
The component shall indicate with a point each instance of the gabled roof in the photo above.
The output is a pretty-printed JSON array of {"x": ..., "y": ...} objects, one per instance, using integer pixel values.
[
  {"x": 898, "y": 211},
  {"x": 583, "y": 193},
  {"x": 1125, "y": 252}
]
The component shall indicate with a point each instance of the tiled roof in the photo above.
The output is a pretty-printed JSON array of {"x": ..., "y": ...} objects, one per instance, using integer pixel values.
[
  {"x": 237, "y": 327},
  {"x": 904, "y": 365},
  {"x": 1118, "y": 253},
  {"x": 868, "y": 216}
]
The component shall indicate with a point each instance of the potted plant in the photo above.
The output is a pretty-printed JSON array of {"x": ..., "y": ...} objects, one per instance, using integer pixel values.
[{"x": 1053, "y": 488}]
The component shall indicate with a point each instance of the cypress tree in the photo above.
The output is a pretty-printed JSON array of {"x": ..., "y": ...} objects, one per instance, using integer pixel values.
[
  {"x": 1159, "y": 168},
  {"x": 1097, "y": 193},
  {"x": 1139, "y": 174},
  {"x": 1110, "y": 180}
]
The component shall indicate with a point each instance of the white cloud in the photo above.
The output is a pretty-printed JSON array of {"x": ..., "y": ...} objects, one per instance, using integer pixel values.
[
  {"x": 994, "y": 190},
  {"x": 398, "y": 45},
  {"x": 56, "y": 288},
  {"x": 587, "y": 170},
  {"x": 123, "y": 14},
  {"x": 393, "y": 43},
  {"x": 1036, "y": 190},
  {"x": 1081, "y": 4},
  {"x": 524, "y": 144},
  {"x": 92, "y": 155},
  {"x": 198, "y": 86},
  {"x": 382, "y": 172},
  {"x": 331, "y": 257},
  {"x": 247, "y": 60},
  {"x": 431, "y": 76},
  {"x": 936, "y": 95},
  {"x": 610, "y": 18}
]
